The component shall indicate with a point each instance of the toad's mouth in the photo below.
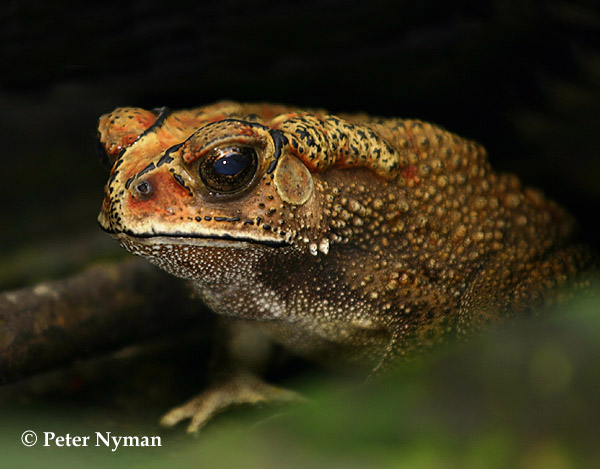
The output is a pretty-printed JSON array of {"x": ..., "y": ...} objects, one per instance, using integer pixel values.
[{"x": 180, "y": 238}]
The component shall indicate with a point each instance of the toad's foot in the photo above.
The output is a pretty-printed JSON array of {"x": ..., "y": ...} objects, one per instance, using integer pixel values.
[{"x": 239, "y": 389}]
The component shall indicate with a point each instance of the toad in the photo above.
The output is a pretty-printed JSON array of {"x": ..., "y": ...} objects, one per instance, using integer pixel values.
[{"x": 352, "y": 240}]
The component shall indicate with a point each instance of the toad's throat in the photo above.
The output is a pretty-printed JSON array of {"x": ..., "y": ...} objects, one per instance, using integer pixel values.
[{"x": 174, "y": 238}]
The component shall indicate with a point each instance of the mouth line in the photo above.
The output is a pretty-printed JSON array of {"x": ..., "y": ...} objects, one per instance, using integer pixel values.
[{"x": 188, "y": 238}]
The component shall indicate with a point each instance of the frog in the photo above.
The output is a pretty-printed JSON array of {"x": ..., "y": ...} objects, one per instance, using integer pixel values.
[{"x": 353, "y": 240}]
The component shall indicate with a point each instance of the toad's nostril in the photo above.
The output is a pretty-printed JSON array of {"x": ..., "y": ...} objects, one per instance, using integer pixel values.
[{"x": 144, "y": 189}]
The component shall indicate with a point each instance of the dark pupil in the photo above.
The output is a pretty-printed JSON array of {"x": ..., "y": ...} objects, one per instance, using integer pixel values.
[
  {"x": 228, "y": 170},
  {"x": 232, "y": 164}
]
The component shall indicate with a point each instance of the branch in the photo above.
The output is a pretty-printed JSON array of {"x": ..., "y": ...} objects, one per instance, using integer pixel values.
[{"x": 99, "y": 309}]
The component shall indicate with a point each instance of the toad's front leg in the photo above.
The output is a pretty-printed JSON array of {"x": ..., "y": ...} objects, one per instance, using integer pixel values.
[{"x": 241, "y": 355}]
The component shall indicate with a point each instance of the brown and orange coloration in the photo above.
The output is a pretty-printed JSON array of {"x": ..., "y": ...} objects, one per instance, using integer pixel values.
[{"x": 349, "y": 239}]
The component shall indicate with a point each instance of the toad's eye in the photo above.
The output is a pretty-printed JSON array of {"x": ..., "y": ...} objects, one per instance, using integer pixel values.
[{"x": 228, "y": 170}]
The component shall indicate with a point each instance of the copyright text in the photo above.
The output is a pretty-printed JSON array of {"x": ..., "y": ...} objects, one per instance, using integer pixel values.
[{"x": 30, "y": 438}]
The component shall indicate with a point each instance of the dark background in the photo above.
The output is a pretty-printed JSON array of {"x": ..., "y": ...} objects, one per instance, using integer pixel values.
[{"x": 521, "y": 77}]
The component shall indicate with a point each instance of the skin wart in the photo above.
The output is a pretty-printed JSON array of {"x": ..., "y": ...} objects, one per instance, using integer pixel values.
[{"x": 350, "y": 239}]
